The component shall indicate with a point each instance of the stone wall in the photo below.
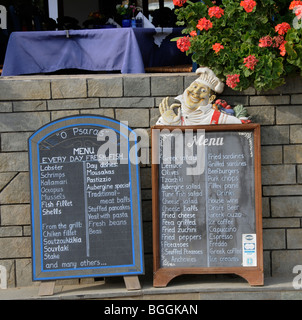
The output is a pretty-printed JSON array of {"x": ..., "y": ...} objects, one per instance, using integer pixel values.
[{"x": 27, "y": 103}]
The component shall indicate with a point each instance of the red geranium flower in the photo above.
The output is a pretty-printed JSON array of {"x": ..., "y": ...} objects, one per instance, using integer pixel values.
[
  {"x": 193, "y": 33},
  {"x": 250, "y": 62},
  {"x": 216, "y": 12},
  {"x": 232, "y": 80},
  {"x": 266, "y": 41},
  {"x": 282, "y": 49},
  {"x": 179, "y": 3},
  {"x": 183, "y": 44},
  {"x": 294, "y": 4},
  {"x": 282, "y": 28},
  {"x": 217, "y": 47},
  {"x": 248, "y": 5},
  {"x": 204, "y": 24}
]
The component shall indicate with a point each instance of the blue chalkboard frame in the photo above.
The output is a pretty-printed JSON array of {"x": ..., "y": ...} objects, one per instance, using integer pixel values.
[{"x": 137, "y": 266}]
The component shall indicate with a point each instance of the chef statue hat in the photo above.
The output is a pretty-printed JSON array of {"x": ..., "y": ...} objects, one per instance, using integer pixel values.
[{"x": 208, "y": 78}]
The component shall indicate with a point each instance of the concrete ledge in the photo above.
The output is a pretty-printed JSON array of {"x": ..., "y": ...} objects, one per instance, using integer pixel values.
[{"x": 183, "y": 288}]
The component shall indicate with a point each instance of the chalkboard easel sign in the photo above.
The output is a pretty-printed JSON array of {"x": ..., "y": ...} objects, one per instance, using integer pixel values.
[
  {"x": 85, "y": 199},
  {"x": 206, "y": 191}
]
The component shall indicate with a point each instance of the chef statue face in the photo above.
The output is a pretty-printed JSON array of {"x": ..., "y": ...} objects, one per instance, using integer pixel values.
[{"x": 198, "y": 94}]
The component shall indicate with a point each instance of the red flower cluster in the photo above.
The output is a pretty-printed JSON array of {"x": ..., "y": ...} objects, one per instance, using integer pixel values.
[
  {"x": 268, "y": 41},
  {"x": 250, "y": 62},
  {"x": 204, "y": 24},
  {"x": 282, "y": 49},
  {"x": 294, "y": 4},
  {"x": 232, "y": 80},
  {"x": 248, "y": 5},
  {"x": 217, "y": 47},
  {"x": 179, "y": 3},
  {"x": 193, "y": 33},
  {"x": 183, "y": 44},
  {"x": 216, "y": 12},
  {"x": 282, "y": 28},
  {"x": 275, "y": 42}
]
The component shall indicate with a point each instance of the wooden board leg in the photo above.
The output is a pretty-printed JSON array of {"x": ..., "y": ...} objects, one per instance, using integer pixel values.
[
  {"x": 46, "y": 288},
  {"x": 132, "y": 283}
]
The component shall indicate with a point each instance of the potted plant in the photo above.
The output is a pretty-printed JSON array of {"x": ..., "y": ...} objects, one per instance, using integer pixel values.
[{"x": 245, "y": 42}]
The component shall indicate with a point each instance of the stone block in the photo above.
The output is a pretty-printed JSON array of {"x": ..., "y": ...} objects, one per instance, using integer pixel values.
[
  {"x": 127, "y": 103},
  {"x": 274, "y": 239},
  {"x": 61, "y": 114},
  {"x": 24, "y": 106},
  {"x": 137, "y": 86},
  {"x": 266, "y": 211},
  {"x": 296, "y": 134},
  {"x": 68, "y": 88},
  {"x": 281, "y": 223},
  {"x": 267, "y": 263},
  {"x": 294, "y": 238},
  {"x": 88, "y": 103},
  {"x": 271, "y": 135},
  {"x": 296, "y": 99},
  {"x": 289, "y": 114},
  {"x": 147, "y": 231},
  {"x": 286, "y": 207},
  {"x": 269, "y": 100},
  {"x": 278, "y": 174},
  {"x": 288, "y": 190},
  {"x": 147, "y": 210},
  {"x": 16, "y": 215},
  {"x": 271, "y": 155},
  {"x": 15, "y": 247},
  {"x": 105, "y": 87},
  {"x": 99, "y": 112},
  {"x": 265, "y": 115},
  {"x": 137, "y": 118},
  {"x": 299, "y": 176},
  {"x": 145, "y": 178},
  {"x": 293, "y": 154},
  {"x": 235, "y": 99},
  {"x": 24, "y": 272},
  {"x": 166, "y": 85},
  {"x": 5, "y": 178},
  {"x": 15, "y": 141},
  {"x": 29, "y": 121},
  {"x": 17, "y": 191},
  {"x": 13, "y": 161},
  {"x": 36, "y": 89},
  {"x": 283, "y": 262},
  {"x": 6, "y": 106},
  {"x": 12, "y": 231}
]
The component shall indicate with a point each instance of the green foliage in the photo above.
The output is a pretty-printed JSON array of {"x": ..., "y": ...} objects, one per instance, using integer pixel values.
[{"x": 239, "y": 32}]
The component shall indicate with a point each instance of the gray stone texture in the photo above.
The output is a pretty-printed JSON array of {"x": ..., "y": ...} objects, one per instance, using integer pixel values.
[{"x": 28, "y": 103}]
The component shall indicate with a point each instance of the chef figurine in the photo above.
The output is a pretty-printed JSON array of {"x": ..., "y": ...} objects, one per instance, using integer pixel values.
[{"x": 196, "y": 106}]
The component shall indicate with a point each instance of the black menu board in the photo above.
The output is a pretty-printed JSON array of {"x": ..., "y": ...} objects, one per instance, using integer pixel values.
[
  {"x": 207, "y": 210},
  {"x": 85, "y": 199}
]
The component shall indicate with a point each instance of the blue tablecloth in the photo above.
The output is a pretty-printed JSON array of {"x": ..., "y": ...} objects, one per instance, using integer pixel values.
[{"x": 125, "y": 49}]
